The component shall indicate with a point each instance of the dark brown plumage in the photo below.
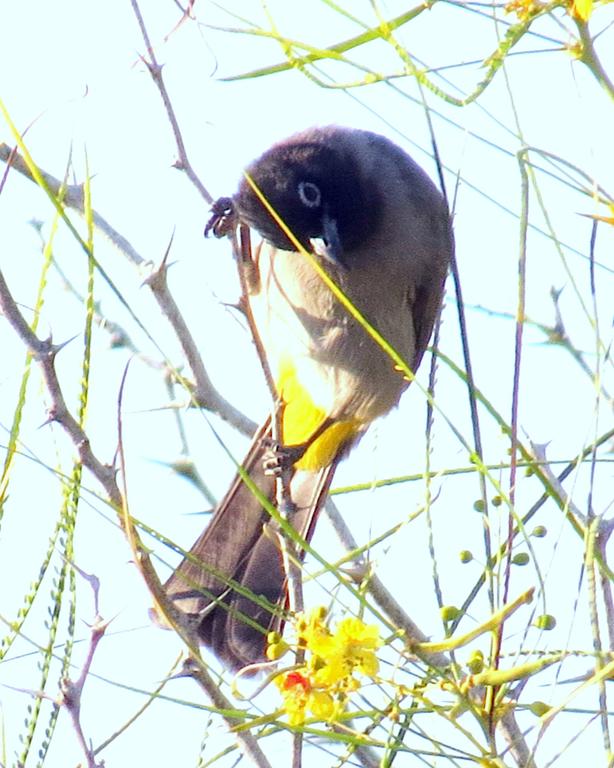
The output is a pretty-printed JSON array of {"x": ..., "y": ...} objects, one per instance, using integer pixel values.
[{"x": 383, "y": 233}]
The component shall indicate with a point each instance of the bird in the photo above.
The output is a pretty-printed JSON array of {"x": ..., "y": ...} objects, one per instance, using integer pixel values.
[{"x": 380, "y": 228}]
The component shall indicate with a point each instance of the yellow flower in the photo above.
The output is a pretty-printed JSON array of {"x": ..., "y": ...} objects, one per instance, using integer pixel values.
[
  {"x": 336, "y": 657},
  {"x": 359, "y": 642},
  {"x": 312, "y": 630},
  {"x": 524, "y": 9},
  {"x": 321, "y": 685},
  {"x": 322, "y": 705},
  {"x": 295, "y": 689},
  {"x": 300, "y": 696}
]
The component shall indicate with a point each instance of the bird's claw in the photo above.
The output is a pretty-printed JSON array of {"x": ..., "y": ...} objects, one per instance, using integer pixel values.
[{"x": 280, "y": 458}]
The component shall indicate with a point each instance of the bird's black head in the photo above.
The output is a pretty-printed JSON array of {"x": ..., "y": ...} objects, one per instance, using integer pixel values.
[{"x": 316, "y": 189}]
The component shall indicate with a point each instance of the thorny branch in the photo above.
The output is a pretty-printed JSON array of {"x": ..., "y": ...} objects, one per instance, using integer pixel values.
[
  {"x": 507, "y": 725},
  {"x": 72, "y": 197},
  {"x": 72, "y": 690},
  {"x": 44, "y": 353},
  {"x": 155, "y": 70},
  {"x": 203, "y": 393}
]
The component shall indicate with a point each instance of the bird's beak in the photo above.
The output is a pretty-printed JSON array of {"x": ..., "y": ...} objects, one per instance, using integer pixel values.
[{"x": 328, "y": 246}]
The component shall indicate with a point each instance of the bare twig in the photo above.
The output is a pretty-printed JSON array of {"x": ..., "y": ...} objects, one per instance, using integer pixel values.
[
  {"x": 71, "y": 691},
  {"x": 249, "y": 281},
  {"x": 204, "y": 393},
  {"x": 517, "y": 744},
  {"x": 518, "y": 348},
  {"x": 588, "y": 55},
  {"x": 194, "y": 668},
  {"x": 475, "y": 418},
  {"x": 155, "y": 70},
  {"x": 166, "y": 609},
  {"x": 72, "y": 197},
  {"x": 44, "y": 352},
  {"x": 602, "y": 537},
  {"x": 226, "y": 223},
  {"x": 539, "y": 452},
  {"x": 389, "y": 605},
  {"x": 382, "y": 597}
]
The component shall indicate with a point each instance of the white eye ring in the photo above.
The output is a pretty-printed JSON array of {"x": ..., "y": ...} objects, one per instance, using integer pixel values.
[{"x": 309, "y": 194}]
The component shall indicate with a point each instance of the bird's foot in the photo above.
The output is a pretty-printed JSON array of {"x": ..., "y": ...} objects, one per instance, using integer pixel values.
[{"x": 281, "y": 458}]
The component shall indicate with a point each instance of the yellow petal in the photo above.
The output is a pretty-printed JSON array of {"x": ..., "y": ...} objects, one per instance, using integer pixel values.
[
  {"x": 582, "y": 9},
  {"x": 321, "y": 705}
]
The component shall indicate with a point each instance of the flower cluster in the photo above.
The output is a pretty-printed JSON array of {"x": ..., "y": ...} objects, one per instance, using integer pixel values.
[
  {"x": 333, "y": 660},
  {"x": 525, "y": 9}
]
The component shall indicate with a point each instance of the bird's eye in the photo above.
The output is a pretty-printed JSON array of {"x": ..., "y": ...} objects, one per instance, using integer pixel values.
[{"x": 309, "y": 194}]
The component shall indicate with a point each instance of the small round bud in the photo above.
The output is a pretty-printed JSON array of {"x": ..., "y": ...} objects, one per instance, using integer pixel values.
[
  {"x": 449, "y": 612},
  {"x": 546, "y": 621},
  {"x": 276, "y": 646},
  {"x": 522, "y": 558},
  {"x": 475, "y": 663},
  {"x": 539, "y": 708}
]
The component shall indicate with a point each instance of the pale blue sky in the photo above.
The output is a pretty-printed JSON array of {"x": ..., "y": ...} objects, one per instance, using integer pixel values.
[{"x": 72, "y": 71}]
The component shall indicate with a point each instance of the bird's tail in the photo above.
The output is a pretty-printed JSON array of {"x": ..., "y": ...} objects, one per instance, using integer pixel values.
[{"x": 232, "y": 583}]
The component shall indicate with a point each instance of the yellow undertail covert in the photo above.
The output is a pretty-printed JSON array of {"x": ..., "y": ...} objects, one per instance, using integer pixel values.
[{"x": 301, "y": 419}]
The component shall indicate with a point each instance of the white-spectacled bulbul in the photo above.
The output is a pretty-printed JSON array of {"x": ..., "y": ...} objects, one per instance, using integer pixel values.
[{"x": 383, "y": 233}]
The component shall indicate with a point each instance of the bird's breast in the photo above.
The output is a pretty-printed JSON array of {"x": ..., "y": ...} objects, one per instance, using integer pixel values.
[{"x": 315, "y": 348}]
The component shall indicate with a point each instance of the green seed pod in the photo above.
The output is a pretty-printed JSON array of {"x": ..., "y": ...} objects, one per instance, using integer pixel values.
[
  {"x": 522, "y": 558},
  {"x": 475, "y": 663},
  {"x": 546, "y": 621},
  {"x": 539, "y": 708},
  {"x": 449, "y": 612}
]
